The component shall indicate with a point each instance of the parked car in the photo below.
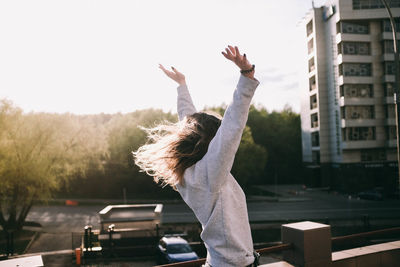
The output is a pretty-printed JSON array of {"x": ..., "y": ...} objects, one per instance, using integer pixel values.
[
  {"x": 371, "y": 195},
  {"x": 172, "y": 249}
]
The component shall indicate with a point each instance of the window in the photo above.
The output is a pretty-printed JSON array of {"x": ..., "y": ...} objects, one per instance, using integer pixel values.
[
  {"x": 311, "y": 65},
  {"x": 313, "y": 101},
  {"x": 388, "y": 47},
  {"x": 356, "y": 48},
  {"x": 390, "y": 111},
  {"x": 387, "y": 26},
  {"x": 356, "y": 69},
  {"x": 389, "y": 67},
  {"x": 163, "y": 244},
  {"x": 178, "y": 248},
  {"x": 309, "y": 28},
  {"x": 314, "y": 120},
  {"x": 310, "y": 46},
  {"x": 373, "y": 155},
  {"x": 372, "y": 4},
  {"x": 315, "y": 157},
  {"x": 358, "y": 112},
  {"x": 358, "y": 133},
  {"x": 315, "y": 139},
  {"x": 357, "y": 90},
  {"x": 391, "y": 133},
  {"x": 312, "y": 84},
  {"x": 389, "y": 89},
  {"x": 355, "y": 27}
]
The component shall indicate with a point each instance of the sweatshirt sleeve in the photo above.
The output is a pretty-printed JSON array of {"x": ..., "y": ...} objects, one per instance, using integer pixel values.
[
  {"x": 222, "y": 149},
  {"x": 184, "y": 102}
]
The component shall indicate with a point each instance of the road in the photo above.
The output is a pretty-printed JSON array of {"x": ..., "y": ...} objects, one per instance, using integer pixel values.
[
  {"x": 299, "y": 204},
  {"x": 294, "y": 204}
]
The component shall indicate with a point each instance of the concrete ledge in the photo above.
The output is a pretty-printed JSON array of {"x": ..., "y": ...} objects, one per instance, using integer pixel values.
[{"x": 380, "y": 255}]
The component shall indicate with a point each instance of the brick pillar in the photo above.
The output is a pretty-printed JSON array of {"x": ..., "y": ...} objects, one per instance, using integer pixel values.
[{"x": 311, "y": 241}]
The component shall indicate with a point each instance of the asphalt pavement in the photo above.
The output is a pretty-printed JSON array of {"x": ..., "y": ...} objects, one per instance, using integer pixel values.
[{"x": 60, "y": 224}]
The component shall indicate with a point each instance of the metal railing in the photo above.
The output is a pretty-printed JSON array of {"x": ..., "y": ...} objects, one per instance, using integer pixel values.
[
  {"x": 285, "y": 246},
  {"x": 376, "y": 233},
  {"x": 199, "y": 262}
]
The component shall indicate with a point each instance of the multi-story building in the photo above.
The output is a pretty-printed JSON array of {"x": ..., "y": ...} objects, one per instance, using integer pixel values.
[{"x": 347, "y": 111}]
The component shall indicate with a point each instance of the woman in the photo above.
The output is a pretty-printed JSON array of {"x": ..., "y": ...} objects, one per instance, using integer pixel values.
[{"x": 195, "y": 157}]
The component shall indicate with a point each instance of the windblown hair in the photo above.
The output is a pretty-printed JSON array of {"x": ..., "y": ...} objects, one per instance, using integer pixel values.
[{"x": 174, "y": 147}]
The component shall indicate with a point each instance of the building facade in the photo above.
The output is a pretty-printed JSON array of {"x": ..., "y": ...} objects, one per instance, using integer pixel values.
[{"x": 347, "y": 108}]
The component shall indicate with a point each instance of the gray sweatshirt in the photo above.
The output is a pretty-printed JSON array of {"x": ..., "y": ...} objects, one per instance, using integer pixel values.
[{"x": 210, "y": 190}]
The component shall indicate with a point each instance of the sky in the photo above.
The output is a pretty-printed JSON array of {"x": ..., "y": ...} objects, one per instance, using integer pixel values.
[{"x": 95, "y": 56}]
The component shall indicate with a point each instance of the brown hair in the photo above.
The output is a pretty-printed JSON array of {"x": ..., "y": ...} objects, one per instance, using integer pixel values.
[{"x": 174, "y": 147}]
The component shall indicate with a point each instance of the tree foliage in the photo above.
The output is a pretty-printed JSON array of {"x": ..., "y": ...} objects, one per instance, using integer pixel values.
[
  {"x": 280, "y": 134},
  {"x": 90, "y": 156},
  {"x": 37, "y": 152},
  {"x": 250, "y": 160}
]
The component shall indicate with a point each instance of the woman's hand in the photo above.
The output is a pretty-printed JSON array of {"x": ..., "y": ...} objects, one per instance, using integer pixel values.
[
  {"x": 232, "y": 53},
  {"x": 174, "y": 75}
]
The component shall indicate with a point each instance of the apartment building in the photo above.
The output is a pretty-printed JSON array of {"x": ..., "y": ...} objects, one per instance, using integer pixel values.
[{"x": 347, "y": 108}]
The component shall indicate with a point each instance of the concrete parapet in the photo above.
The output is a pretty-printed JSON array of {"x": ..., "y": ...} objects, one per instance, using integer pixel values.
[
  {"x": 311, "y": 244},
  {"x": 380, "y": 255}
]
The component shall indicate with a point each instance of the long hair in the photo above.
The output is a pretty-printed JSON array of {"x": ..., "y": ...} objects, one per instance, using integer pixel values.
[{"x": 174, "y": 147}]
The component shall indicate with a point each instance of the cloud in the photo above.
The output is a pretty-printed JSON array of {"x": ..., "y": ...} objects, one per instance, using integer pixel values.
[
  {"x": 290, "y": 86},
  {"x": 279, "y": 79},
  {"x": 273, "y": 75}
]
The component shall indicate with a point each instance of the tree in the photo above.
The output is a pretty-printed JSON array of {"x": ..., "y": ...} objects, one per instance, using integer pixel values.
[
  {"x": 250, "y": 160},
  {"x": 37, "y": 152},
  {"x": 280, "y": 134},
  {"x": 124, "y": 137}
]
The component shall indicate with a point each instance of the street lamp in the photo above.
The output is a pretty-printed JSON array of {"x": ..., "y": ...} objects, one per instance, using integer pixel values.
[{"x": 396, "y": 86}]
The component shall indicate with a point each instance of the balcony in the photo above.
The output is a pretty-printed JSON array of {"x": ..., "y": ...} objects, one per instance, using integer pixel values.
[
  {"x": 388, "y": 99},
  {"x": 389, "y": 36},
  {"x": 340, "y": 37},
  {"x": 360, "y": 123},
  {"x": 362, "y": 144},
  {"x": 388, "y": 57},
  {"x": 388, "y": 78},
  {"x": 390, "y": 121},
  {"x": 354, "y": 79},
  {"x": 346, "y": 101},
  {"x": 354, "y": 58}
]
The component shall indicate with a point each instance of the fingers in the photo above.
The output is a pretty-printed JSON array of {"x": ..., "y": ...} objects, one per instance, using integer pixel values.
[
  {"x": 175, "y": 70},
  {"x": 170, "y": 74},
  {"x": 237, "y": 51},
  {"x": 162, "y": 67},
  {"x": 232, "y": 53},
  {"x": 228, "y": 54},
  {"x": 232, "y": 50},
  {"x": 225, "y": 55}
]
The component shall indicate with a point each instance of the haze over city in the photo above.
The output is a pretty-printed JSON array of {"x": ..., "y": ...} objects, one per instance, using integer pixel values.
[{"x": 89, "y": 56}]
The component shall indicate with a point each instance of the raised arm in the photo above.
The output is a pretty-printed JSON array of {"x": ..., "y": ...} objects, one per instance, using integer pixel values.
[
  {"x": 184, "y": 101},
  {"x": 222, "y": 149}
]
